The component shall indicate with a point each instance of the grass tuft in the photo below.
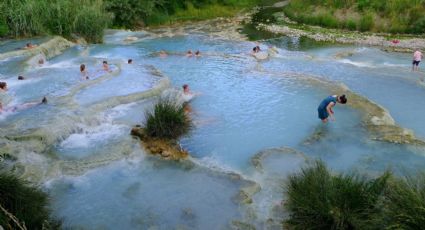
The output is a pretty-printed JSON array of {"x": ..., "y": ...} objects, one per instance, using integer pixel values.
[
  {"x": 167, "y": 120},
  {"x": 26, "y": 203},
  {"x": 317, "y": 199}
]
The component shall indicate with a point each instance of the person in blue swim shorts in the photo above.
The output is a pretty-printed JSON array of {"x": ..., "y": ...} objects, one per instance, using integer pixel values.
[{"x": 325, "y": 107}]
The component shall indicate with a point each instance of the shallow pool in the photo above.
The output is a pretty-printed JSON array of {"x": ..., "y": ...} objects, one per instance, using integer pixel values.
[{"x": 100, "y": 178}]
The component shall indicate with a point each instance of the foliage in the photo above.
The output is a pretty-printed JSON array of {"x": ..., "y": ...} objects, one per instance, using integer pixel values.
[
  {"x": 396, "y": 16},
  {"x": 4, "y": 30},
  {"x": 319, "y": 200},
  {"x": 135, "y": 13},
  {"x": 25, "y": 18},
  {"x": 167, "y": 120},
  {"x": 130, "y": 13},
  {"x": 366, "y": 22},
  {"x": 405, "y": 203},
  {"x": 26, "y": 203},
  {"x": 88, "y": 18}
]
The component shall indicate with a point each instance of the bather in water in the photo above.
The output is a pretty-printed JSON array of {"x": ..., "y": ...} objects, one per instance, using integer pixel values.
[{"x": 325, "y": 107}]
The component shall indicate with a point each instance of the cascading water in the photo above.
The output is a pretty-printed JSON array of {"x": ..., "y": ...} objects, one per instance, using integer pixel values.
[{"x": 255, "y": 122}]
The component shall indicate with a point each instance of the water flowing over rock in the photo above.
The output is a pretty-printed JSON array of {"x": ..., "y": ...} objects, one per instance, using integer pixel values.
[
  {"x": 49, "y": 49},
  {"x": 167, "y": 149}
]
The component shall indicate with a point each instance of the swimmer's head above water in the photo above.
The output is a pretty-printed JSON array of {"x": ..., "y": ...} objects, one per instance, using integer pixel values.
[{"x": 3, "y": 85}]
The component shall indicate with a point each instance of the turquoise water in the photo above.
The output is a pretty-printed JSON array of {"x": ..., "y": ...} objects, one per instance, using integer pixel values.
[{"x": 100, "y": 178}]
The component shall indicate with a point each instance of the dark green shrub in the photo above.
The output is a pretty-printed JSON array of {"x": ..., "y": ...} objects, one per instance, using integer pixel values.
[
  {"x": 405, "y": 203},
  {"x": 130, "y": 13},
  {"x": 319, "y": 200},
  {"x": 26, "y": 203},
  {"x": 366, "y": 22},
  {"x": 167, "y": 120},
  {"x": 4, "y": 30},
  {"x": 350, "y": 24},
  {"x": 418, "y": 27},
  {"x": 327, "y": 20}
]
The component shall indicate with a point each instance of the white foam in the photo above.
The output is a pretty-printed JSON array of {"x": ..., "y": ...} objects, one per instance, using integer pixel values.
[
  {"x": 214, "y": 164},
  {"x": 358, "y": 64},
  {"x": 91, "y": 136}
]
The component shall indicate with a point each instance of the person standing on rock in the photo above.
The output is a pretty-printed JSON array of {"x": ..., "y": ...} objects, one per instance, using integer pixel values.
[
  {"x": 325, "y": 107},
  {"x": 417, "y": 57}
]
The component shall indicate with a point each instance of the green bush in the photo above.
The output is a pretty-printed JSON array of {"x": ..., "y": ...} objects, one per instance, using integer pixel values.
[
  {"x": 366, "y": 22},
  {"x": 405, "y": 203},
  {"x": 418, "y": 27},
  {"x": 327, "y": 20},
  {"x": 130, "y": 13},
  {"x": 167, "y": 120},
  {"x": 4, "y": 30},
  {"x": 26, "y": 203},
  {"x": 350, "y": 24},
  {"x": 407, "y": 14},
  {"x": 319, "y": 200}
]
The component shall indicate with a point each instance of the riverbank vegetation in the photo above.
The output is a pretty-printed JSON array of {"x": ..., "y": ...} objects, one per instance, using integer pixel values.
[
  {"x": 390, "y": 16},
  {"x": 88, "y": 18},
  {"x": 319, "y": 199},
  {"x": 22, "y": 205},
  {"x": 26, "y": 18}
]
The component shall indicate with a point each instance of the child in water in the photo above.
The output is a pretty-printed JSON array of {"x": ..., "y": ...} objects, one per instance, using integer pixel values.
[
  {"x": 325, "y": 107},
  {"x": 84, "y": 73},
  {"x": 105, "y": 66}
]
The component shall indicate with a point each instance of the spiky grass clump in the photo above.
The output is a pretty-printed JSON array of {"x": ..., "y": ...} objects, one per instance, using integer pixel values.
[
  {"x": 26, "y": 203},
  {"x": 167, "y": 120},
  {"x": 405, "y": 203},
  {"x": 319, "y": 200}
]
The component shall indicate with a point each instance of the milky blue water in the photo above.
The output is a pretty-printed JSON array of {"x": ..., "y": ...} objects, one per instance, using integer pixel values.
[{"x": 242, "y": 106}]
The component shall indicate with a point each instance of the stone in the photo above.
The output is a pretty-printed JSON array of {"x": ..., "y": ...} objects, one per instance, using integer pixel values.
[{"x": 165, "y": 148}]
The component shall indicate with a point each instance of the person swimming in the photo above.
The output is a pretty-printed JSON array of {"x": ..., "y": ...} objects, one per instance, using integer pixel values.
[
  {"x": 105, "y": 66},
  {"x": 84, "y": 73},
  {"x": 197, "y": 53},
  {"x": 21, "y": 78},
  {"x": 189, "y": 53},
  {"x": 187, "y": 94},
  {"x": 23, "y": 106},
  {"x": 3, "y": 86},
  {"x": 325, "y": 108},
  {"x": 29, "y": 45},
  {"x": 163, "y": 54},
  {"x": 256, "y": 49},
  {"x": 5, "y": 98},
  {"x": 130, "y": 61}
]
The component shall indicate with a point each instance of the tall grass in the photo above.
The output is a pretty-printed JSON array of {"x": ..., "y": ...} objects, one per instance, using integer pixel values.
[
  {"x": 87, "y": 18},
  {"x": 317, "y": 199},
  {"x": 26, "y": 203},
  {"x": 405, "y": 203},
  {"x": 167, "y": 120},
  {"x": 396, "y": 16}
]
